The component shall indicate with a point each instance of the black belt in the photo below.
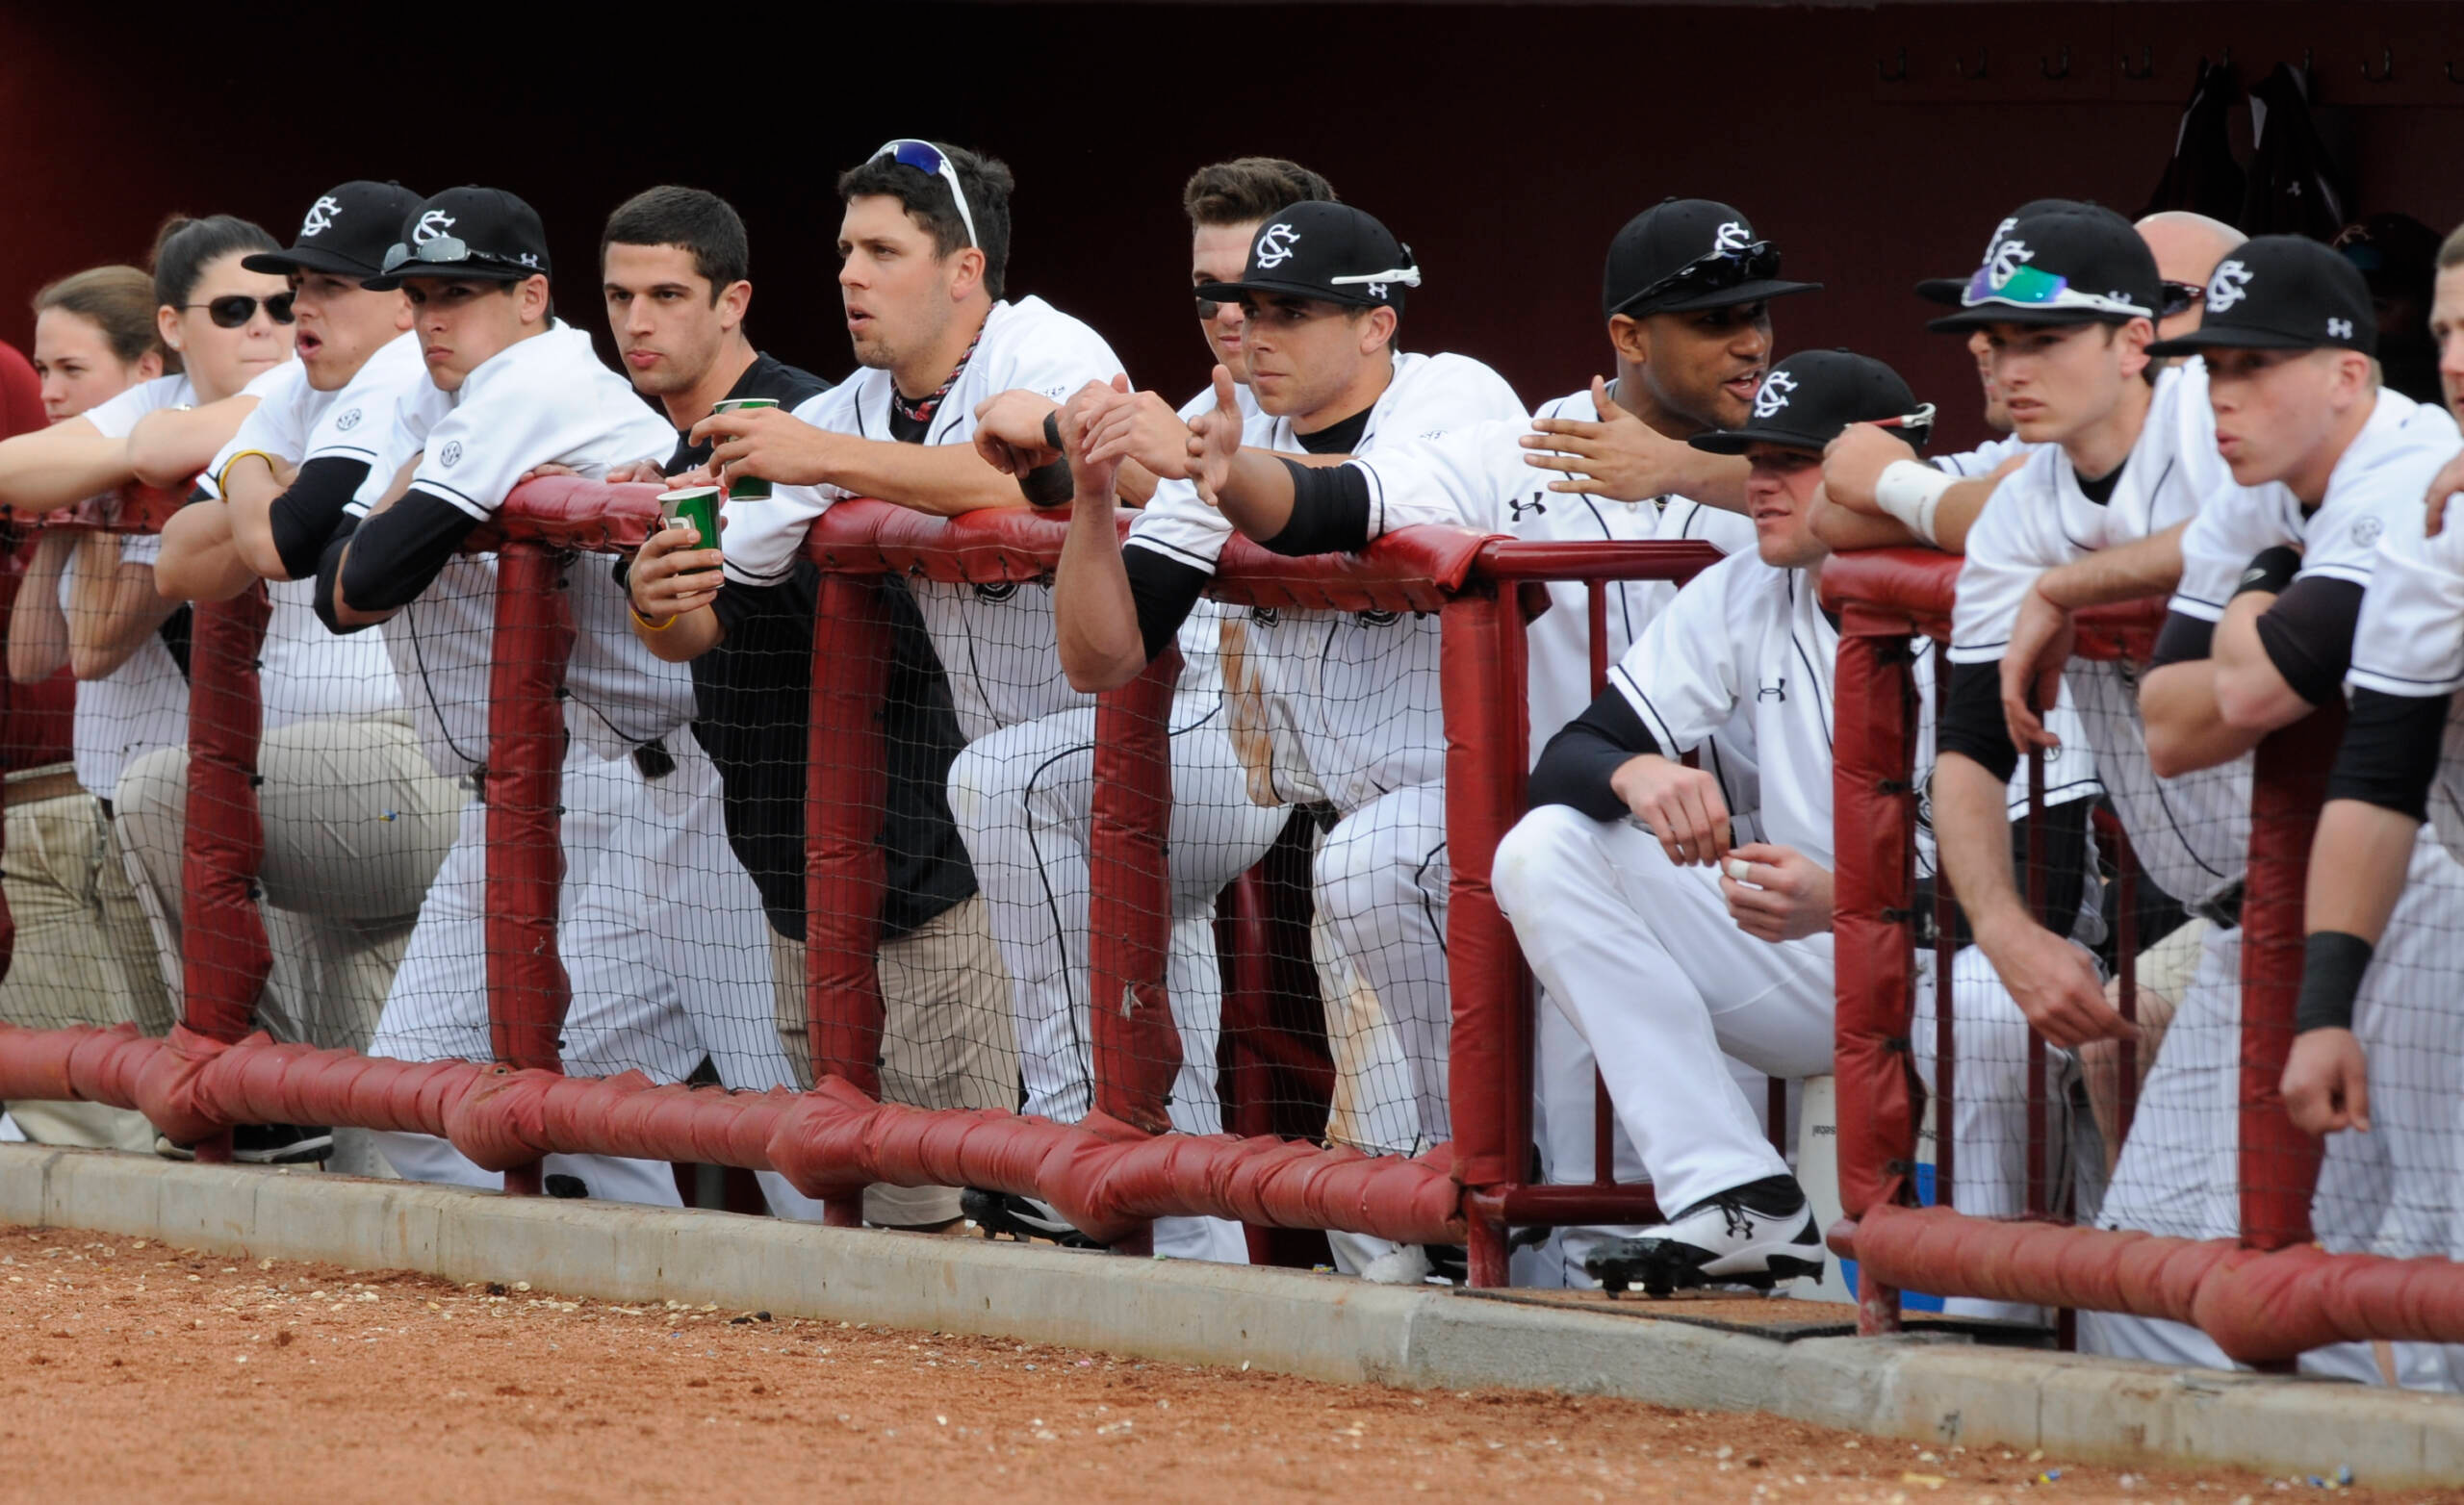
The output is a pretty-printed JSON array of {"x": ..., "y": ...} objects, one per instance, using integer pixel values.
[{"x": 2222, "y": 908}]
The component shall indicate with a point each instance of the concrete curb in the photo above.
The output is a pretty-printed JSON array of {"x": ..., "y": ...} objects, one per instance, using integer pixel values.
[{"x": 1318, "y": 1326}]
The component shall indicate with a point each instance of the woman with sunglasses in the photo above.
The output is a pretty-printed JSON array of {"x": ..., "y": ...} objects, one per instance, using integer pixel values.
[{"x": 84, "y": 953}]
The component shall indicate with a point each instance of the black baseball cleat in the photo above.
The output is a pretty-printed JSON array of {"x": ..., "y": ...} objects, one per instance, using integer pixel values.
[
  {"x": 1022, "y": 1218},
  {"x": 1755, "y": 1235}
]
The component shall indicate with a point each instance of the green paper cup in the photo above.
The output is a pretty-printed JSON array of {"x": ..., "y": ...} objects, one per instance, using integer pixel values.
[
  {"x": 698, "y": 505},
  {"x": 747, "y": 488}
]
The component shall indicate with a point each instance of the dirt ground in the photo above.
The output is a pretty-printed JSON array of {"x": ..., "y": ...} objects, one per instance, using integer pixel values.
[{"x": 132, "y": 1370}]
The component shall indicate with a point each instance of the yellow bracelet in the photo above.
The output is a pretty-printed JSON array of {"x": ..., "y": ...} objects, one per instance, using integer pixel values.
[
  {"x": 223, "y": 477},
  {"x": 645, "y": 623}
]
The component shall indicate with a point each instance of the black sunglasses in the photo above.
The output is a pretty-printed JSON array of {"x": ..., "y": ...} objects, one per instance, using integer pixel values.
[
  {"x": 1714, "y": 273},
  {"x": 1207, "y": 309},
  {"x": 235, "y": 309},
  {"x": 2180, "y": 297}
]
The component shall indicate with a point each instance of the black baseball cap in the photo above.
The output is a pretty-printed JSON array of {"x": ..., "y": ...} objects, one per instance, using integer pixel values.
[
  {"x": 1810, "y": 397},
  {"x": 1946, "y": 290},
  {"x": 2282, "y": 293},
  {"x": 346, "y": 232},
  {"x": 1332, "y": 252},
  {"x": 2058, "y": 262},
  {"x": 480, "y": 233},
  {"x": 1683, "y": 255}
]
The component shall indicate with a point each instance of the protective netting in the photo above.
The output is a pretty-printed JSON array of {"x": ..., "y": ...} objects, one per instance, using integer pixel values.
[{"x": 2163, "y": 1143}]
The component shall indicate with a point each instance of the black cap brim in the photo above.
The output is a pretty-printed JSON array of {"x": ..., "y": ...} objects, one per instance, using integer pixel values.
[
  {"x": 1232, "y": 291},
  {"x": 1945, "y": 291},
  {"x": 1736, "y": 441},
  {"x": 1761, "y": 291},
  {"x": 1985, "y": 313},
  {"x": 2227, "y": 338},
  {"x": 307, "y": 258},
  {"x": 450, "y": 272}
]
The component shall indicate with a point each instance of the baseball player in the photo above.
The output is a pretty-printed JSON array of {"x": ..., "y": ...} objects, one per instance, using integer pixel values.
[
  {"x": 1327, "y": 705},
  {"x": 1686, "y": 293},
  {"x": 2067, "y": 295},
  {"x": 355, "y": 821},
  {"x": 659, "y": 928},
  {"x": 925, "y": 242},
  {"x": 1029, "y": 790},
  {"x": 1627, "y": 865},
  {"x": 2331, "y": 469}
]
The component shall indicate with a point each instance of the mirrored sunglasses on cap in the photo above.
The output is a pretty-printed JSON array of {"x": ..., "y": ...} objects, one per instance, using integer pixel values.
[
  {"x": 235, "y": 309},
  {"x": 1713, "y": 271},
  {"x": 1922, "y": 417},
  {"x": 925, "y": 157},
  {"x": 2033, "y": 287},
  {"x": 447, "y": 250}
]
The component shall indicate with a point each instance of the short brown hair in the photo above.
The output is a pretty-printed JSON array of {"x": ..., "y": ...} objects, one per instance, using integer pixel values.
[
  {"x": 1248, "y": 189},
  {"x": 119, "y": 301},
  {"x": 2451, "y": 252}
]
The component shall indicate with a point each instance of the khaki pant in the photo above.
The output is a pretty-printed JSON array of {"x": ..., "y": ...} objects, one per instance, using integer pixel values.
[
  {"x": 946, "y": 1038},
  {"x": 83, "y": 953},
  {"x": 356, "y": 823}
]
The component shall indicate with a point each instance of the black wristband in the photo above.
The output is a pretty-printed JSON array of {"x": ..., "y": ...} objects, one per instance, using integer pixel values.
[
  {"x": 1052, "y": 431},
  {"x": 2332, "y": 965},
  {"x": 1048, "y": 485},
  {"x": 2271, "y": 570}
]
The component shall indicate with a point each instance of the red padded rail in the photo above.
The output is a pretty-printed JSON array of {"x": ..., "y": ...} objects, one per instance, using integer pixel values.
[{"x": 1913, "y": 588}]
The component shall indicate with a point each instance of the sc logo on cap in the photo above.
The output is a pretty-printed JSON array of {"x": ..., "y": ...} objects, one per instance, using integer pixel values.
[
  {"x": 432, "y": 225},
  {"x": 1731, "y": 237},
  {"x": 321, "y": 217},
  {"x": 1274, "y": 247},
  {"x": 2229, "y": 286},
  {"x": 1773, "y": 394}
]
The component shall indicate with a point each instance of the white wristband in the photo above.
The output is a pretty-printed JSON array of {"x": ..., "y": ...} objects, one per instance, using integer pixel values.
[{"x": 1909, "y": 490}]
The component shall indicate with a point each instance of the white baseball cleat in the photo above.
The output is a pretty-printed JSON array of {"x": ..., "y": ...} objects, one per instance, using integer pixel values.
[{"x": 1753, "y": 1236}]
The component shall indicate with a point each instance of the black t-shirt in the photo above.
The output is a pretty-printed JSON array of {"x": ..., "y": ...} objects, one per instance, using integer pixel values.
[{"x": 753, "y": 696}]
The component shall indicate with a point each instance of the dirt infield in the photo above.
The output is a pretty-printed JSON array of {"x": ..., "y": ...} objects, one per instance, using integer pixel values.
[{"x": 130, "y": 1370}]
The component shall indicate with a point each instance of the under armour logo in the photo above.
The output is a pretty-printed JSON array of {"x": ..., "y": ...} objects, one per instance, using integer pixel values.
[
  {"x": 432, "y": 225},
  {"x": 529, "y": 258},
  {"x": 321, "y": 217},
  {"x": 1274, "y": 247},
  {"x": 1773, "y": 394},
  {"x": 2229, "y": 286},
  {"x": 2340, "y": 329},
  {"x": 1776, "y": 690},
  {"x": 1536, "y": 503},
  {"x": 1378, "y": 290},
  {"x": 1730, "y": 236},
  {"x": 451, "y": 454},
  {"x": 348, "y": 421},
  {"x": 2004, "y": 261}
]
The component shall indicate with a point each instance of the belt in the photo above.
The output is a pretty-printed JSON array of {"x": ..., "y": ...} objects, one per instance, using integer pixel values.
[
  {"x": 2222, "y": 908},
  {"x": 56, "y": 785}
]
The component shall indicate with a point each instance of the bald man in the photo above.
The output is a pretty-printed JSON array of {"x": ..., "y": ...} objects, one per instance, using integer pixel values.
[{"x": 2187, "y": 246}]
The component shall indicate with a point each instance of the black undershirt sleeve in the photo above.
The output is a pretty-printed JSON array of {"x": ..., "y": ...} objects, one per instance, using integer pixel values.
[
  {"x": 1575, "y": 769},
  {"x": 1330, "y": 511},
  {"x": 2390, "y": 751},
  {"x": 1164, "y": 590},
  {"x": 396, "y": 554},
  {"x": 329, "y": 564},
  {"x": 305, "y": 516},
  {"x": 2308, "y": 635},
  {"x": 1972, "y": 723},
  {"x": 2183, "y": 639}
]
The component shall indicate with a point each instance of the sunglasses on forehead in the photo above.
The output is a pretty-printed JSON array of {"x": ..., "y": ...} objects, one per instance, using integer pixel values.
[
  {"x": 925, "y": 157},
  {"x": 235, "y": 309},
  {"x": 446, "y": 251},
  {"x": 1714, "y": 271},
  {"x": 2031, "y": 287}
]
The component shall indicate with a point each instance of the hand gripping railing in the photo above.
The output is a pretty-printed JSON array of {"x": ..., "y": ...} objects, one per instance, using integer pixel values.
[{"x": 2266, "y": 1297}]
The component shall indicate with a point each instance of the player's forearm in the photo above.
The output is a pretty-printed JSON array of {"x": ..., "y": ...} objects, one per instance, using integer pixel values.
[
  {"x": 1841, "y": 530},
  {"x": 1094, "y": 614},
  {"x": 60, "y": 466},
  {"x": 2358, "y": 860},
  {"x": 38, "y": 633},
  {"x": 2251, "y": 693},
  {"x": 248, "y": 492},
  {"x": 113, "y": 608},
  {"x": 1134, "y": 484},
  {"x": 166, "y": 448},
  {"x": 1957, "y": 512},
  {"x": 943, "y": 480},
  {"x": 2144, "y": 566},
  {"x": 2186, "y": 729},
  {"x": 199, "y": 562},
  {"x": 1972, "y": 827},
  {"x": 1256, "y": 494},
  {"x": 685, "y": 637}
]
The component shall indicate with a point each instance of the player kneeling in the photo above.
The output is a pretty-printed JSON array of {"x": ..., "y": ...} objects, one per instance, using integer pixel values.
[{"x": 1663, "y": 943}]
